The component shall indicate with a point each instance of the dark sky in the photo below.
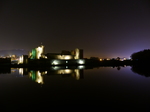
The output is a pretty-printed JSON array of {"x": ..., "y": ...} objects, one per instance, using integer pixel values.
[{"x": 102, "y": 28}]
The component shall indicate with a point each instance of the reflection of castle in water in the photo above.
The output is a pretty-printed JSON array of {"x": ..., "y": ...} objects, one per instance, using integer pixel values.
[{"x": 37, "y": 75}]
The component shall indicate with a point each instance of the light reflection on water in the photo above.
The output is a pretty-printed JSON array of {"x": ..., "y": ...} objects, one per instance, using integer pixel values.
[{"x": 107, "y": 85}]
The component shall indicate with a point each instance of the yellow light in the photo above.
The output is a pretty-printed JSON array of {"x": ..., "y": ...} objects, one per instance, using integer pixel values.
[
  {"x": 67, "y": 71},
  {"x": 67, "y": 57},
  {"x": 39, "y": 51},
  {"x": 21, "y": 71},
  {"x": 81, "y": 62},
  {"x": 101, "y": 59},
  {"x": 77, "y": 74},
  {"x": 20, "y": 59},
  {"x": 39, "y": 78}
]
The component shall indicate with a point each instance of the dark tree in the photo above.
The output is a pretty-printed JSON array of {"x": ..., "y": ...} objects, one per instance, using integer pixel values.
[{"x": 141, "y": 55}]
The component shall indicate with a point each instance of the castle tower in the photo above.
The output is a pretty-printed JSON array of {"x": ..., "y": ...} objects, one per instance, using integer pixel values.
[{"x": 78, "y": 53}]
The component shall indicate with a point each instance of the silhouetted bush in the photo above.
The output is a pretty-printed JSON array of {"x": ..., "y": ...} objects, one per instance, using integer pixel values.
[{"x": 141, "y": 55}]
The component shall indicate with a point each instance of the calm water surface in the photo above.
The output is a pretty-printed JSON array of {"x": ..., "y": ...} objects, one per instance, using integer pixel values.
[{"x": 62, "y": 86}]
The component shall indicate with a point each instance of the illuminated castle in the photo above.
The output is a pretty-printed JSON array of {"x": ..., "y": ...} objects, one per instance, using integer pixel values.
[
  {"x": 37, "y": 53},
  {"x": 54, "y": 58}
]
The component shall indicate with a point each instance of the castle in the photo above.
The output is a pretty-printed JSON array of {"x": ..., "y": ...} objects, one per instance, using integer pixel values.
[{"x": 38, "y": 56}]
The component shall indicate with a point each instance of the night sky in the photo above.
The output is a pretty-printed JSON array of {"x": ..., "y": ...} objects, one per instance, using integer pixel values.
[{"x": 102, "y": 28}]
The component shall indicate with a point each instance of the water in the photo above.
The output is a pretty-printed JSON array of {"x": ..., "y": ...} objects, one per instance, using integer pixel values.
[{"x": 102, "y": 86}]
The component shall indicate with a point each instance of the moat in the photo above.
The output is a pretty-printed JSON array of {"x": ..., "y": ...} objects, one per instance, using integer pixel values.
[{"x": 61, "y": 86}]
